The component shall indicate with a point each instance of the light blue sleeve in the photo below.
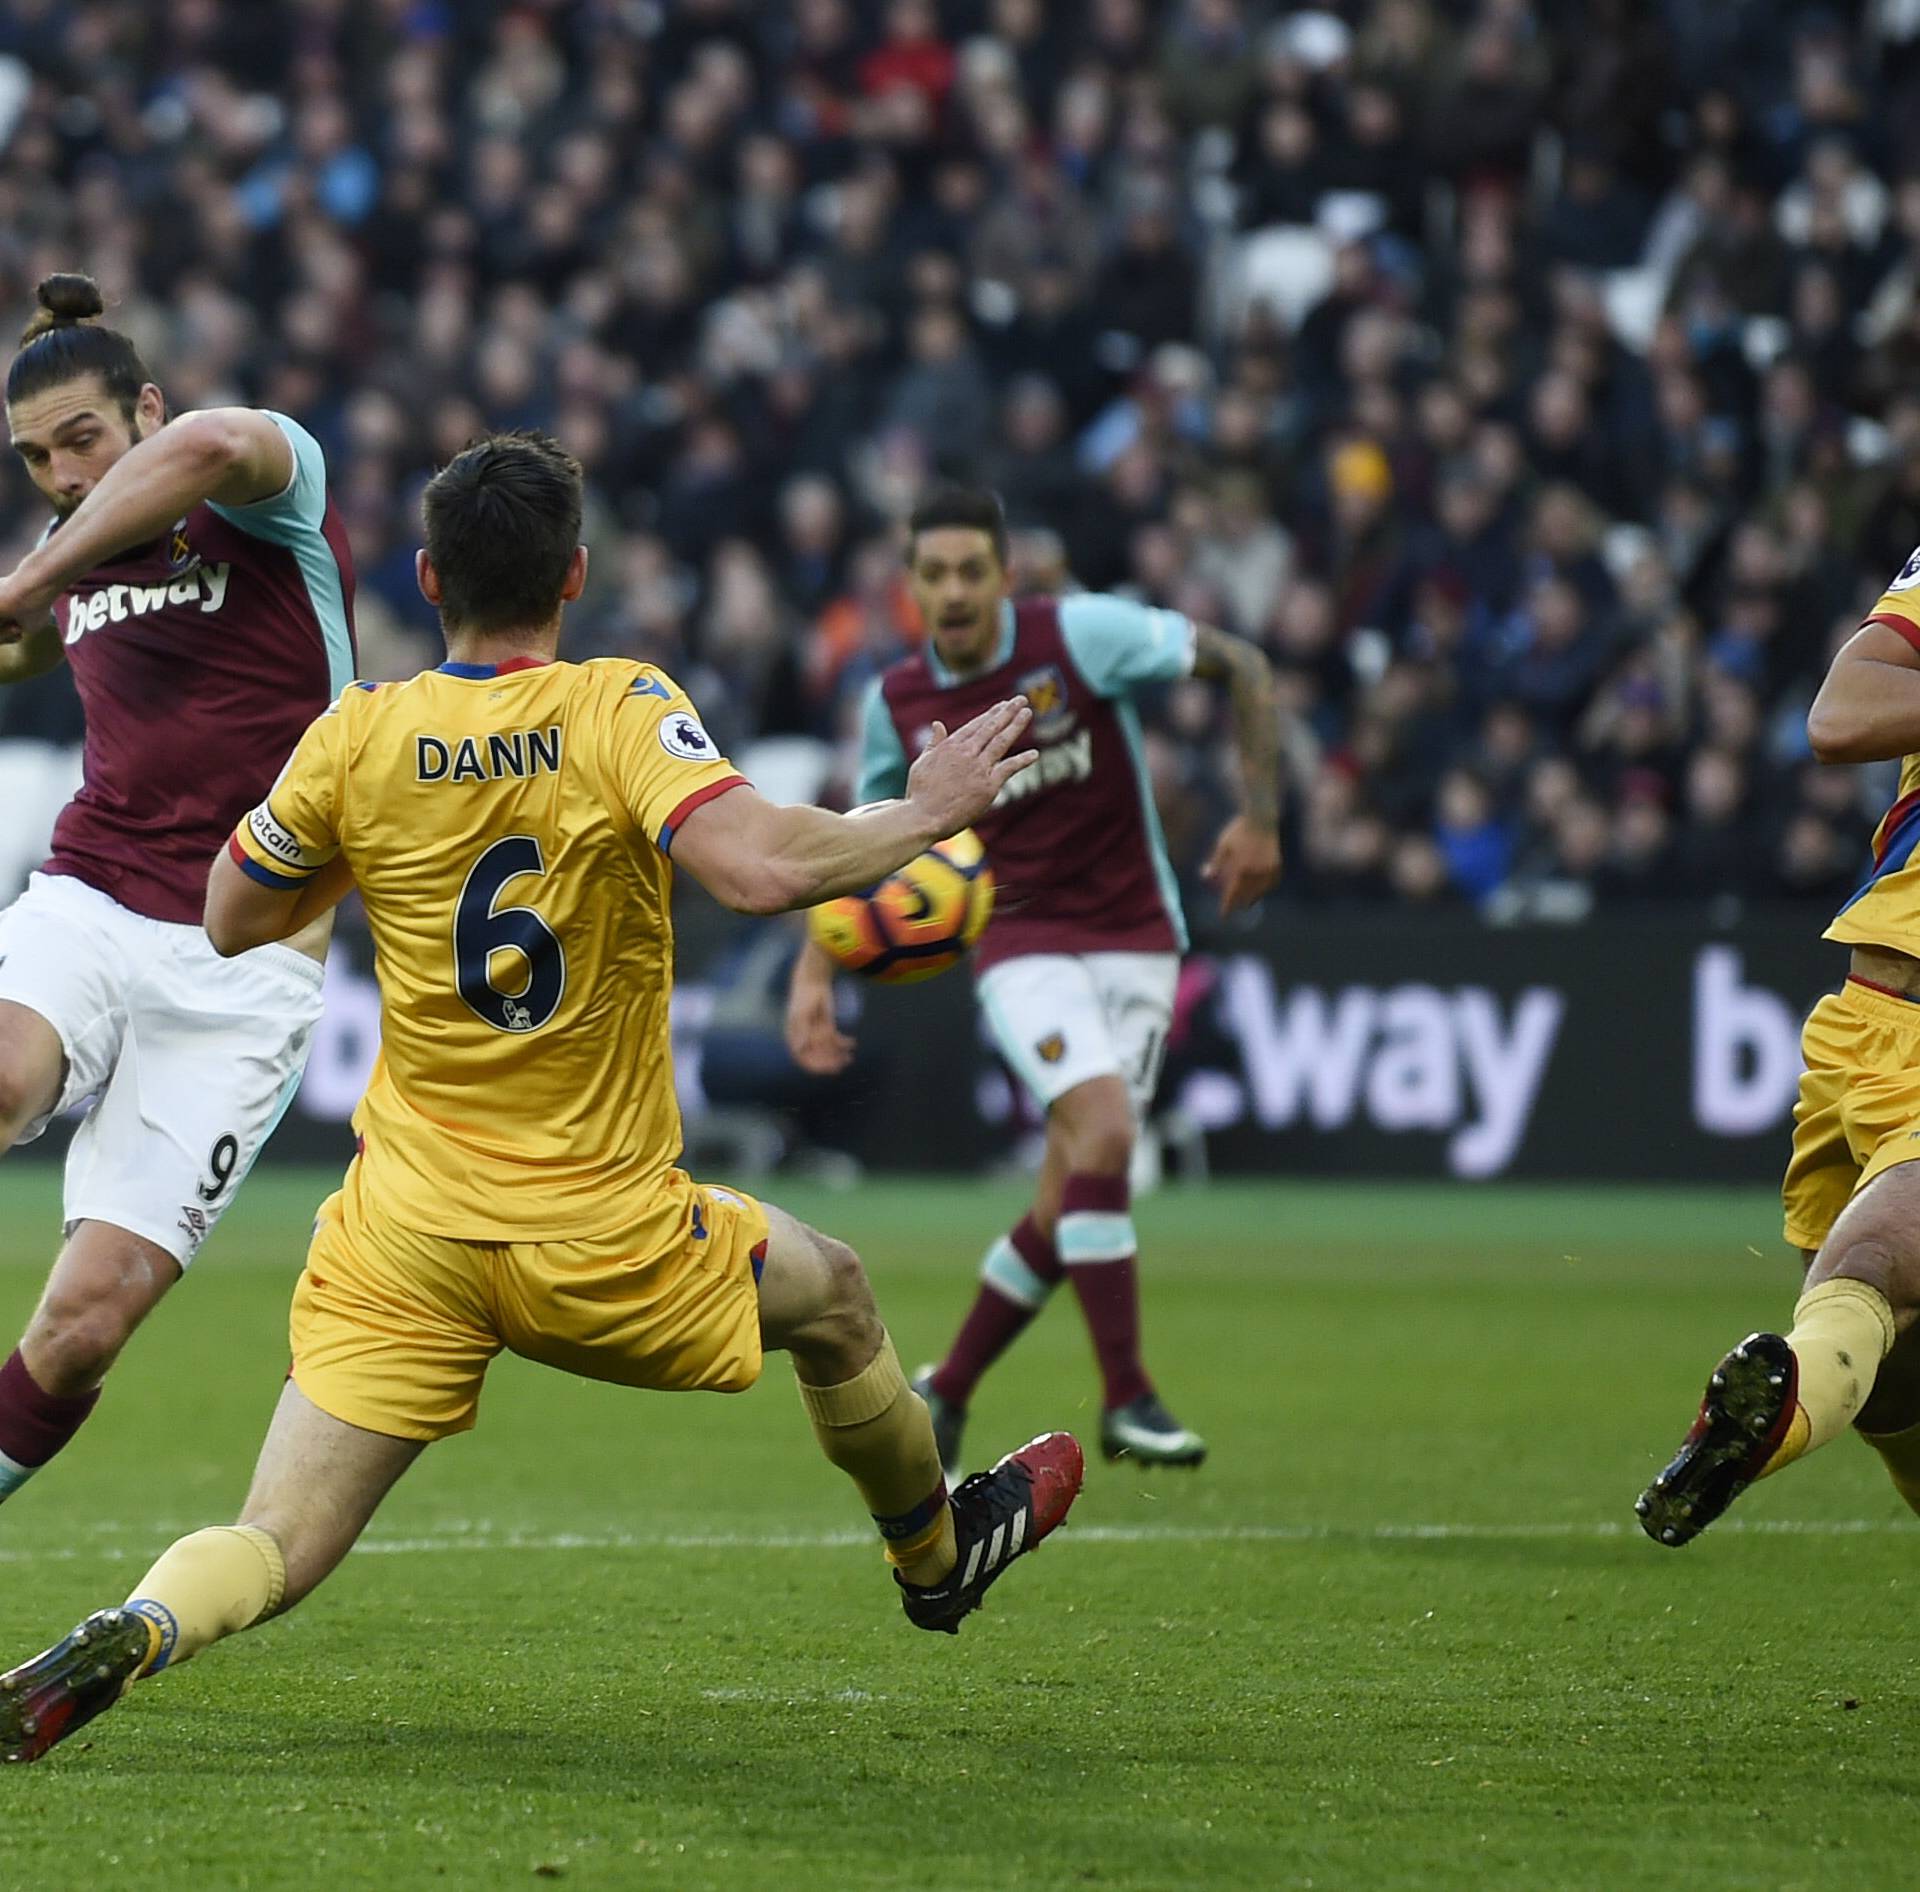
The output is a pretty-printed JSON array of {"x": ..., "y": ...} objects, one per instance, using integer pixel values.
[
  {"x": 1118, "y": 645},
  {"x": 297, "y": 513},
  {"x": 883, "y": 763},
  {"x": 296, "y": 519}
]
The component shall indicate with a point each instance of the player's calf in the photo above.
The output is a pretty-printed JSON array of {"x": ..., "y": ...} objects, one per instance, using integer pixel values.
[
  {"x": 103, "y": 1286},
  {"x": 1097, "y": 1243},
  {"x": 1018, "y": 1274},
  {"x": 817, "y": 1305},
  {"x": 106, "y": 1281},
  {"x": 1900, "y": 1454},
  {"x": 1889, "y": 1421},
  {"x": 877, "y": 1430}
]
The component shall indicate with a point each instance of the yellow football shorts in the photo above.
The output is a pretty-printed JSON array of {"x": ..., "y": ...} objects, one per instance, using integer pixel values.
[
  {"x": 394, "y": 1330},
  {"x": 1859, "y": 1108}
]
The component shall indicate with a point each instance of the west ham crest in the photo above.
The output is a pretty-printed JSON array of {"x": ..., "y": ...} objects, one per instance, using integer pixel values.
[{"x": 1046, "y": 691}]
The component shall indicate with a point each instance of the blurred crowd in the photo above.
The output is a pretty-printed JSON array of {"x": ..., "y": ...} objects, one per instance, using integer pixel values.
[{"x": 1534, "y": 379}]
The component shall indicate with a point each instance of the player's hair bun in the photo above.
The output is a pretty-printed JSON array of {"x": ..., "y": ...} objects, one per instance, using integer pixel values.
[{"x": 64, "y": 301}]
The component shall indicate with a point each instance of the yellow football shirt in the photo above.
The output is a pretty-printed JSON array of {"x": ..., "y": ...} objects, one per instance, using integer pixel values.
[
  {"x": 509, "y": 831},
  {"x": 1885, "y": 910}
]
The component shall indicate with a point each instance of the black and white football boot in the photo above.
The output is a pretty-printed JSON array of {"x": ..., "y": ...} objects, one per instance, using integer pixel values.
[
  {"x": 1145, "y": 1431},
  {"x": 998, "y": 1516}
]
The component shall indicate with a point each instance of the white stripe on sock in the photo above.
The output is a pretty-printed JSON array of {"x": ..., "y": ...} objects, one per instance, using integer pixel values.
[
  {"x": 13, "y": 1475},
  {"x": 1005, "y": 1272},
  {"x": 1093, "y": 1235}
]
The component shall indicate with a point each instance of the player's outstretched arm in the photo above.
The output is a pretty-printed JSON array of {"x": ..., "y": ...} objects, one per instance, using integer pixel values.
[
  {"x": 242, "y": 914},
  {"x": 1868, "y": 709},
  {"x": 1245, "y": 861},
  {"x": 234, "y": 456},
  {"x": 757, "y": 856}
]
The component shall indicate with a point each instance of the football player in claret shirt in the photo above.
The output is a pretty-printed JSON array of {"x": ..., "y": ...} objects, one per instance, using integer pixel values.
[
  {"x": 1077, "y": 969},
  {"x": 196, "y": 582},
  {"x": 508, "y": 820},
  {"x": 1852, "y": 1188}
]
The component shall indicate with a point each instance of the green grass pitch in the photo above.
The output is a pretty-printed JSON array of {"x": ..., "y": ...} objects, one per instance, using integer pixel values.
[{"x": 1400, "y": 1631}]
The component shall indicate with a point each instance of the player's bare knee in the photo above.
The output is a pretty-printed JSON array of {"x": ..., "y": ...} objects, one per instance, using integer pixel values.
[
  {"x": 32, "y": 1066},
  {"x": 851, "y": 1309},
  {"x": 103, "y": 1286},
  {"x": 846, "y": 1332},
  {"x": 1094, "y": 1129},
  {"x": 22, "y": 1098},
  {"x": 72, "y": 1341},
  {"x": 1101, "y": 1144},
  {"x": 1879, "y": 1265}
]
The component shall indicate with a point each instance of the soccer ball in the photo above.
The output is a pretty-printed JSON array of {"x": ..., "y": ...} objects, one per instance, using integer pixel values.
[{"x": 917, "y": 922}]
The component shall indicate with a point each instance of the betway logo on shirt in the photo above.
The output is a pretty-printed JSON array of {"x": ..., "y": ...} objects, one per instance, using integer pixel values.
[
  {"x": 1069, "y": 761},
  {"x": 204, "y": 585}
]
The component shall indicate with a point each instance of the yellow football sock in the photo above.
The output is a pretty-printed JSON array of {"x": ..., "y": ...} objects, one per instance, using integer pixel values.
[
  {"x": 1842, "y": 1330},
  {"x": 206, "y": 1586},
  {"x": 876, "y": 1429},
  {"x": 1900, "y": 1453}
]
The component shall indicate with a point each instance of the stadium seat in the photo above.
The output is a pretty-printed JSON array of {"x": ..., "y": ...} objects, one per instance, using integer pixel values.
[
  {"x": 1288, "y": 266},
  {"x": 786, "y": 768}
]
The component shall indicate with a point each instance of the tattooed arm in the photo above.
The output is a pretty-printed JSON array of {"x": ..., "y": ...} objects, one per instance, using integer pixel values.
[{"x": 1245, "y": 861}]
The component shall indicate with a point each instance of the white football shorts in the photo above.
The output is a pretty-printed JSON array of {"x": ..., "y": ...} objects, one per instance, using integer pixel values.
[
  {"x": 1062, "y": 1018},
  {"x": 183, "y": 1061}
]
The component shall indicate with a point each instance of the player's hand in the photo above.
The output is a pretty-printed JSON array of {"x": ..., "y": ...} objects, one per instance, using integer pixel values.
[
  {"x": 1244, "y": 864},
  {"x": 23, "y": 605},
  {"x": 955, "y": 777},
  {"x": 814, "y": 1036}
]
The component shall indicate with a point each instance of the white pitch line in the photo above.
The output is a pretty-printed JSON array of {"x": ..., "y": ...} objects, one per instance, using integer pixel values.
[{"x": 457, "y": 1540}]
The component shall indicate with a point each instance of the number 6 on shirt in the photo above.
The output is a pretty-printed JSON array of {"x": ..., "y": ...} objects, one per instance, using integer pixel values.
[{"x": 480, "y": 929}]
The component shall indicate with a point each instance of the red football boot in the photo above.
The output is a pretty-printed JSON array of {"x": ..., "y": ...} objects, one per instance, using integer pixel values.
[{"x": 998, "y": 1516}]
